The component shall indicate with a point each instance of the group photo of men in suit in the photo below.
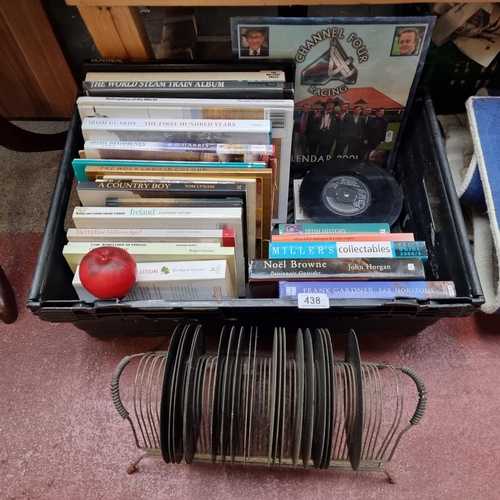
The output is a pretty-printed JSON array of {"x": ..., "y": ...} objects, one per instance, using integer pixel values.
[{"x": 338, "y": 130}]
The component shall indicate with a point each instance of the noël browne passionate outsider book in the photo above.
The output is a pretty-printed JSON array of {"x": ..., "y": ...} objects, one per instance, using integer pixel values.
[{"x": 355, "y": 77}]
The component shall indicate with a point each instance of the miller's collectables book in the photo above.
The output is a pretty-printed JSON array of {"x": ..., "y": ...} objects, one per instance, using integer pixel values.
[{"x": 354, "y": 79}]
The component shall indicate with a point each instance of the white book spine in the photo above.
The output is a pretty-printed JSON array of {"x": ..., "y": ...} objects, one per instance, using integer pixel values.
[{"x": 197, "y": 280}]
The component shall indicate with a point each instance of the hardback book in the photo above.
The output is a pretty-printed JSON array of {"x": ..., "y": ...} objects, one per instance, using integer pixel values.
[
  {"x": 160, "y": 252},
  {"x": 189, "y": 65},
  {"x": 206, "y": 89},
  {"x": 224, "y": 237},
  {"x": 421, "y": 290},
  {"x": 279, "y": 111},
  {"x": 263, "y": 191},
  {"x": 172, "y": 202},
  {"x": 115, "y": 76},
  {"x": 264, "y": 274},
  {"x": 80, "y": 166},
  {"x": 332, "y": 250},
  {"x": 354, "y": 83},
  {"x": 312, "y": 228},
  {"x": 142, "y": 150},
  {"x": 177, "y": 130},
  {"x": 104, "y": 192},
  {"x": 344, "y": 237},
  {"x": 169, "y": 218},
  {"x": 194, "y": 280}
]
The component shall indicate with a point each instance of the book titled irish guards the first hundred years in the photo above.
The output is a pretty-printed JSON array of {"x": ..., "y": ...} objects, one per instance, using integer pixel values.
[{"x": 354, "y": 80}]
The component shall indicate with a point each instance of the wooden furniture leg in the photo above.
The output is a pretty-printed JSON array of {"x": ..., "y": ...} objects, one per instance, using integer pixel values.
[
  {"x": 8, "y": 305},
  {"x": 18, "y": 139},
  {"x": 118, "y": 32}
]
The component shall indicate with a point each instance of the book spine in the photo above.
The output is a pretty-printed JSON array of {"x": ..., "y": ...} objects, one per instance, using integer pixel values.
[
  {"x": 370, "y": 290},
  {"x": 143, "y": 150},
  {"x": 337, "y": 269},
  {"x": 255, "y": 76},
  {"x": 95, "y": 193},
  {"x": 333, "y": 250},
  {"x": 225, "y": 236},
  {"x": 194, "y": 88},
  {"x": 201, "y": 280},
  {"x": 333, "y": 228},
  {"x": 343, "y": 237},
  {"x": 186, "y": 125}
]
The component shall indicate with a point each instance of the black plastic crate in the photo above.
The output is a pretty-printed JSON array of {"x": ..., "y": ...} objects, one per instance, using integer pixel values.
[
  {"x": 452, "y": 77},
  {"x": 431, "y": 211}
]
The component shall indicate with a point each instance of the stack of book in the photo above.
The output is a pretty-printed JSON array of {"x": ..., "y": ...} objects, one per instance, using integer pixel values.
[
  {"x": 344, "y": 261},
  {"x": 183, "y": 167}
]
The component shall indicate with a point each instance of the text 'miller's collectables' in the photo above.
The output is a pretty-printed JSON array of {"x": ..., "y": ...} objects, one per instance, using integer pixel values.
[{"x": 354, "y": 79}]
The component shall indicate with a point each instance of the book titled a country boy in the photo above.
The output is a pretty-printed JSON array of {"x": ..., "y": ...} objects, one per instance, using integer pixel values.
[{"x": 355, "y": 77}]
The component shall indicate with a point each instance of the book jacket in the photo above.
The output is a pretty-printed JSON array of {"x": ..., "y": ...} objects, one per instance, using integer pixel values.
[
  {"x": 370, "y": 289},
  {"x": 355, "y": 77}
]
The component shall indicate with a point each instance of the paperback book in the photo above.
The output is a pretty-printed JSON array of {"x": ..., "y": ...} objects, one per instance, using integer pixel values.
[
  {"x": 177, "y": 130},
  {"x": 355, "y": 78},
  {"x": 310, "y": 228},
  {"x": 421, "y": 290},
  {"x": 224, "y": 237},
  {"x": 332, "y": 250},
  {"x": 115, "y": 76},
  {"x": 142, "y": 150},
  {"x": 196, "y": 280},
  {"x": 206, "y": 89},
  {"x": 80, "y": 166}
]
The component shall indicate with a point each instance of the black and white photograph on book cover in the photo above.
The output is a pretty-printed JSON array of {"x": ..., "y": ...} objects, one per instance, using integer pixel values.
[{"x": 352, "y": 81}]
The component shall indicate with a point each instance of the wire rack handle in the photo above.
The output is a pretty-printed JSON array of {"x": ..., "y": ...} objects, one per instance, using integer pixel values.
[
  {"x": 115, "y": 387},
  {"x": 422, "y": 395}
]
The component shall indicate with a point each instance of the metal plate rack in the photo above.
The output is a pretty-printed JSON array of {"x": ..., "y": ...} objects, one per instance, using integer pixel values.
[{"x": 276, "y": 408}]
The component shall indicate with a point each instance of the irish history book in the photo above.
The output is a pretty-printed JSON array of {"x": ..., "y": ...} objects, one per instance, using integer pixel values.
[{"x": 355, "y": 77}]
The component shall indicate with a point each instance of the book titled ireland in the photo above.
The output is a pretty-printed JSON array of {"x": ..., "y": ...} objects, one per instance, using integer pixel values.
[{"x": 354, "y": 79}]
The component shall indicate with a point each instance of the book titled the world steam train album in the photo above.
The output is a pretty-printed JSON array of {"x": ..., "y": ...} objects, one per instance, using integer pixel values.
[{"x": 354, "y": 79}]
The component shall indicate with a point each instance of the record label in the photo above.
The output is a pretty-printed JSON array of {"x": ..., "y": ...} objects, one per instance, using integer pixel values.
[
  {"x": 350, "y": 191},
  {"x": 346, "y": 195}
]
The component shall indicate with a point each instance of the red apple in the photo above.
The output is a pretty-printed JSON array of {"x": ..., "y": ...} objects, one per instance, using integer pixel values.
[{"x": 108, "y": 272}]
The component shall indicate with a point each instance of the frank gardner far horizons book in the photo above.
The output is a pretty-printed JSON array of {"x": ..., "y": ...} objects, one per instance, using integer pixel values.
[{"x": 355, "y": 77}]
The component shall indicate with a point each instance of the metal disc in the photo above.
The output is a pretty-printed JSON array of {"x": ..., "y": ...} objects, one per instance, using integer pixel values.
[
  {"x": 166, "y": 393},
  {"x": 282, "y": 413},
  {"x": 191, "y": 422},
  {"x": 272, "y": 397},
  {"x": 310, "y": 398},
  {"x": 236, "y": 394},
  {"x": 320, "y": 413},
  {"x": 226, "y": 395},
  {"x": 298, "y": 400},
  {"x": 176, "y": 427},
  {"x": 330, "y": 399},
  {"x": 216, "y": 403},
  {"x": 355, "y": 439}
]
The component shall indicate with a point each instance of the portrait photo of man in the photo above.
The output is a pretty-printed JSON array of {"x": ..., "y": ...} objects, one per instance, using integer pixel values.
[
  {"x": 406, "y": 42},
  {"x": 254, "y": 42}
]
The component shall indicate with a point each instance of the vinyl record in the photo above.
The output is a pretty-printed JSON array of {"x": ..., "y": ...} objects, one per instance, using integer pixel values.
[{"x": 348, "y": 191}]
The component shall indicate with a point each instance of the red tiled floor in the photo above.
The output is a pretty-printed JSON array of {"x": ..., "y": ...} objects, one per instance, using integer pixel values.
[{"x": 61, "y": 437}]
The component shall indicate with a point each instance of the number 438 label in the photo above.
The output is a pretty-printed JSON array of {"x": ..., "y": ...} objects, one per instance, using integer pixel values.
[{"x": 313, "y": 301}]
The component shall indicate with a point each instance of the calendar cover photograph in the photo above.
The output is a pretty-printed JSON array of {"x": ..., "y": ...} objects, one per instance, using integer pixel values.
[{"x": 354, "y": 79}]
